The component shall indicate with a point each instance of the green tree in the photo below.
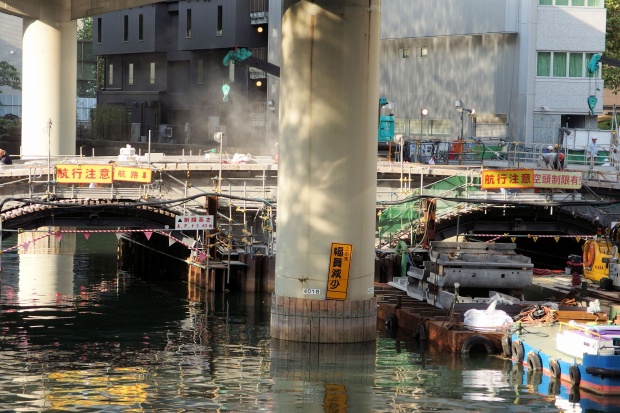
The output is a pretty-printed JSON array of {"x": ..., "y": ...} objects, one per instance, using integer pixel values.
[
  {"x": 9, "y": 76},
  {"x": 611, "y": 75},
  {"x": 85, "y": 31}
]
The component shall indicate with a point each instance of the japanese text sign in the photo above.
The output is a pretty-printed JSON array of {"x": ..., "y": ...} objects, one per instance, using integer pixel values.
[
  {"x": 510, "y": 178},
  {"x": 194, "y": 222},
  {"x": 528, "y": 178},
  {"x": 557, "y": 179},
  {"x": 338, "y": 277},
  {"x": 83, "y": 174},
  {"x": 100, "y": 174},
  {"x": 128, "y": 174}
]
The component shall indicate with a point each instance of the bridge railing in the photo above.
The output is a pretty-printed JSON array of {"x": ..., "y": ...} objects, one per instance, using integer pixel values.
[{"x": 112, "y": 193}]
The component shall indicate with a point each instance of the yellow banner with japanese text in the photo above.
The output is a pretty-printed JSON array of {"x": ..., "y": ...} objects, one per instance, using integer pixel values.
[
  {"x": 83, "y": 174},
  {"x": 128, "y": 174},
  {"x": 339, "y": 265},
  {"x": 529, "y": 178},
  {"x": 557, "y": 179},
  {"x": 507, "y": 178},
  {"x": 100, "y": 174}
]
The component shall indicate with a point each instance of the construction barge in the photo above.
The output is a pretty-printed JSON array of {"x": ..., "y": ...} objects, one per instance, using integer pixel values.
[{"x": 433, "y": 301}]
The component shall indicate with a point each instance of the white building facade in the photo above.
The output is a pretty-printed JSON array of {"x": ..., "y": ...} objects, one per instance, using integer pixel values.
[{"x": 517, "y": 67}]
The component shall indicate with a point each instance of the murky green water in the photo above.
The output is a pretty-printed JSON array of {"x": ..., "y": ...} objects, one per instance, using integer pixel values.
[{"x": 76, "y": 335}]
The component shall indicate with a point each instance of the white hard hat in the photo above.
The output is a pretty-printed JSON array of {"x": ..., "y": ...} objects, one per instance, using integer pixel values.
[{"x": 550, "y": 147}]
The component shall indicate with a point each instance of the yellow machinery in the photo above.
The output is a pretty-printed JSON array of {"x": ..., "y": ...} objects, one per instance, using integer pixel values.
[{"x": 597, "y": 252}]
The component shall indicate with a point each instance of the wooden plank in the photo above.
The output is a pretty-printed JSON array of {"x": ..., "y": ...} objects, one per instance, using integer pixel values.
[
  {"x": 323, "y": 322},
  {"x": 331, "y": 323},
  {"x": 315, "y": 310},
  {"x": 580, "y": 316},
  {"x": 341, "y": 334},
  {"x": 275, "y": 318},
  {"x": 356, "y": 322},
  {"x": 299, "y": 319}
]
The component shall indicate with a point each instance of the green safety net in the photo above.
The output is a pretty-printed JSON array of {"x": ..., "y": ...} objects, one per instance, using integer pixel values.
[{"x": 396, "y": 218}]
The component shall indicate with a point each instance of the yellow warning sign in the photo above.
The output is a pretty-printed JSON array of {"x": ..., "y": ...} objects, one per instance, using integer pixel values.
[{"x": 339, "y": 265}]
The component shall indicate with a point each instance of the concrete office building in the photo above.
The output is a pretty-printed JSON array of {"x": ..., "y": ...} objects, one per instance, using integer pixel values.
[
  {"x": 163, "y": 68},
  {"x": 517, "y": 67},
  {"x": 512, "y": 69}
]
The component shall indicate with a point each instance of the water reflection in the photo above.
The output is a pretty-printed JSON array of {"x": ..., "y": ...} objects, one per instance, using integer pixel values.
[{"x": 115, "y": 342}]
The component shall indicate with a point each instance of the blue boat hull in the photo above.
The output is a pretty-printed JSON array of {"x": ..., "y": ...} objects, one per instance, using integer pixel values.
[{"x": 596, "y": 374}]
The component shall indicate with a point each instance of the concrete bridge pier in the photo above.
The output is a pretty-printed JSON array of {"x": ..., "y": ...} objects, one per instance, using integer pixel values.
[
  {"x": 327, "y": 172},
  {"x": 49, "y": 88}
]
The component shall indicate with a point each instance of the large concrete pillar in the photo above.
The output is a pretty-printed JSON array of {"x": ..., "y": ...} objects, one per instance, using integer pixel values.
[
  {"x": 327, "y": 169},
  {"x": 49, "y": 84}
]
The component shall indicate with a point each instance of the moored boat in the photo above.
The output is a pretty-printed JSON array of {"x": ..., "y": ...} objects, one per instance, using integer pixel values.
[{"x": 587, "y": 357}]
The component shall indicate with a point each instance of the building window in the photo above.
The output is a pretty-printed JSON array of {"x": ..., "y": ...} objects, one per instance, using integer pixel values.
[
  {"x": 200, "y": 74},
  {"x": 573, "y": 3},
  {"x": 126, "y": 28},
  {"x": 130, "y": 74},
  {"x": 220, "y": 21},
  {"x": 188, "y": 23},
  {"x": 563, "y": 64},
  {"x": 99, "y": 30},
  {"x": 559, "y": 64},
  {"x": 543, "y": 64},
  {"x": 110, "y": 74},
  {"x": 423, "y": 51},
  {"x": 140, "y": 27},
  {"x": 575, "y": 65},
  {"x": 404, "y": 53},
  {"x": 152, "y": 74}
]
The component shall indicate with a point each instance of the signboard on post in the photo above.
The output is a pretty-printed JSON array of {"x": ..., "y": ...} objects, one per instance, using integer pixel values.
[
  {"x": 194, "y": 222},
  {"x": 338, "y": 277}
]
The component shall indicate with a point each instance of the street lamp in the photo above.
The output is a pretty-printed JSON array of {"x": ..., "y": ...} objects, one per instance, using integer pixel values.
[
  {"x": 460, "y": 108},
  {"x": 423, "y": 113}
]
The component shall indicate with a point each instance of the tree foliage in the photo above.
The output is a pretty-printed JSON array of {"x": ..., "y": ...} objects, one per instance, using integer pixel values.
[
  {"x": 85, "y": 32},
  {"x": 9, "y": 76},
  {"x": 611, "y": 75}
]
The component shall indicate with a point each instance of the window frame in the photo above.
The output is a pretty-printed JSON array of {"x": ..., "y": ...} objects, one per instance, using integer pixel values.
[{"x": 152, "y": 73}]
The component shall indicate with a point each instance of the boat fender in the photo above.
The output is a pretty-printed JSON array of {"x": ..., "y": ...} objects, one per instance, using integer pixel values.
[
  {"x": 574, "y": 375},
  {"x": 507, "y": 346},
  {"x": 554, "y": 388},
  {"x": 554, "y": 369},
  {"x": 534, "y": 362},
  {"x": 391, "y": 322},
  {"x": 517, "y": 351},
  {"x": 420, "y": 333},
  {"x": 574, "y": 396},
  {"x": 603, "y": 372},
  {"x": 477, "y": 343}
]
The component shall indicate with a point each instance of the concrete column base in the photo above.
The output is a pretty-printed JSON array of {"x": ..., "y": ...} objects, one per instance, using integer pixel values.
[{"x": 323, "y": 321}]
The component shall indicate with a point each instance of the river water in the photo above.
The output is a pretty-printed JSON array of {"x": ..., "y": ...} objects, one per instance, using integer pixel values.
[{"x": 79, "y": 335}]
